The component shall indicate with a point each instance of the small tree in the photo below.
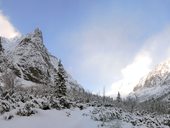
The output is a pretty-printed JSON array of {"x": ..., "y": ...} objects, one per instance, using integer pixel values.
[
  {"x": 118, "y": 99},
  {"x": 131, "y": 103},
  {"x": 1, "y": 48},
  {"x": 104, "y": 98}
]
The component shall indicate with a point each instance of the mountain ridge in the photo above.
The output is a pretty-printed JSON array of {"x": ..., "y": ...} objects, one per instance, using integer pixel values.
[
  {"x": 30, "y": 60},
  {"x": 156, "y": 84}
]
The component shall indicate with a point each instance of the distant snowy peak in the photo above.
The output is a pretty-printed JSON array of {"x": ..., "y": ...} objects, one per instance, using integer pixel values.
[
  {"x": 159, "y": 76},
  {"x": 156, "y": 84},
  {"x": 30, "y": 60}
]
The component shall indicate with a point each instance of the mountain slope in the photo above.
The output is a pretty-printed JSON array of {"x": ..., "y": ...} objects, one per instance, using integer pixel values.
[
  {"x": 156, "y": 84},
  {"x": 30, "y": 60}
]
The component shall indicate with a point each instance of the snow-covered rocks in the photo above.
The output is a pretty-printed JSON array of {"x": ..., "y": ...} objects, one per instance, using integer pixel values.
[
  {"x": 156, "y": 84},
  {"x": 30, "y": 61}
]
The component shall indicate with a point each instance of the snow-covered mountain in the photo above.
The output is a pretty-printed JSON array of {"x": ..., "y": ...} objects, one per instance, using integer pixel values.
[
  {"x": 156, "y": 84},
  {"x": 30, "y": 60}
]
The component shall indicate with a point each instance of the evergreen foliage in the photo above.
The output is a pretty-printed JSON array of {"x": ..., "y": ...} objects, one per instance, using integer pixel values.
[
  {"x": 119, "y": 99},
  {"x": 61, "y": 88}
]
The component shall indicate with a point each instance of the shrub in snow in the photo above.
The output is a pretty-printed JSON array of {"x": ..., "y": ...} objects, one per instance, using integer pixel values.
[
  {"x": 45, "y": 105},
  {"x": 105, "y": 114},
  {"x": 35, "y": 102},
  {"x": 167, "y": 122},
  {"x": 4, "y": 107},
  {"x": 55, "y": 105},
  {"x": 26, "y": 111},
  {"x": 81, "y": 107},
  {"x": 64, "y": 103},
  {"x": 8, "y": 117}
]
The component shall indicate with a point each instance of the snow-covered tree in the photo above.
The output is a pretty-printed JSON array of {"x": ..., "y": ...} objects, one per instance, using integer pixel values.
[
  {"x": 130, "y": 103},
  {"x": 61, "y": 80},
  {"x": 1, "y": 49},
  {"x": 118, "y": 99},
  {"x": 104, "y": 96}
]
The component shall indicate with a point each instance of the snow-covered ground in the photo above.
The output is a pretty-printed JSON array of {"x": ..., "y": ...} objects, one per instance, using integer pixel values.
[
  {"x": 60, "y": 119},
  {"x": 90, "y": 117},
  {"x": 67, "y": 118}
]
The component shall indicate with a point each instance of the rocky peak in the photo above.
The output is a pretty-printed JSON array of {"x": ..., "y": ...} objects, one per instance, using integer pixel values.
[
  {"x": 155, "y": 83},
  {"x": 30, "y": 60},
  {"x": 35, "y": 40},
  {"x": 37, "y": 34},
  {"x": 159, "y": 76}
]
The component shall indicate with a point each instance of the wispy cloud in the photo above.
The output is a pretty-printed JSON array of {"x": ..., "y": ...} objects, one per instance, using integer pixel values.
[
  {"x": 155, "y": 50},
  {"x": 101, "y": 51},
  {"x": 131, "y": 74},
  {"x": 7, "y": 29},
  {"x": 109, "y": 44}
]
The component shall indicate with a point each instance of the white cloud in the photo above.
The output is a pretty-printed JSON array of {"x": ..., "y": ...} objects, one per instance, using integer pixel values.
[
  {"x": 101, "y": 49},
  {"x": 138, "y": 68},
  {"x": 7, "y": 29},
  {"x": 155, "y": 50},
  {"x": 131, "y": 74},
  {"x": 116, "y": 54}
]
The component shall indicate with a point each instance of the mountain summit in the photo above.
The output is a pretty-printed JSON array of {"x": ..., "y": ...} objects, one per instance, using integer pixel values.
[
  {"x": 156, "y": 84},
  {"x": 30, "y": 61}
]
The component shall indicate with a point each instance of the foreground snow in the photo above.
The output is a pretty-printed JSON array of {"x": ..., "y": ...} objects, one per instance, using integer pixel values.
[
  {"x": 52, "y": 119},
  {"x": 67, "y": 118},
  {"x": 90, "y": 117}
]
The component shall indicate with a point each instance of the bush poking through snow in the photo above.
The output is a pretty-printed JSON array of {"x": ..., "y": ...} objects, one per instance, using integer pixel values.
[
  {"x": 27, "y": 110},
  {"x": 4, "y": 107},
  {"x": 64, "y": 103},
  {"x": 81, "y": 107},
  {"x": 45, "y": 106},
  {"x": 8, "y": 117},
  {"x": 55, "y": 105}
]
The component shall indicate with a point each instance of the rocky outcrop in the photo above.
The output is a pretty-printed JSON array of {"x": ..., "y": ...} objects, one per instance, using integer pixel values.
[
  {"x": 30, "y": 60},
  {"x": 156, "y": 84}
]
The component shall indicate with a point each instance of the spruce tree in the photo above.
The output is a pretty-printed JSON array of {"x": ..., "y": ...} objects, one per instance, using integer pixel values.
[
  {"x": 1, "y": 49},
  {"x": 61, "y": 80},
  {"x": 118, "y": 98}
]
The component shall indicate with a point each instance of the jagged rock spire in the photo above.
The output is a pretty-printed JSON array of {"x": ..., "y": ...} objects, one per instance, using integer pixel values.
[{"x": 38, "y": 32}]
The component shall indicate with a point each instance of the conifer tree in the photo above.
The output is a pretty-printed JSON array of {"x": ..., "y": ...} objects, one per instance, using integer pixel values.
[
  {"x": 118, "y": 98},
  {"x": 61, "y": 80}
]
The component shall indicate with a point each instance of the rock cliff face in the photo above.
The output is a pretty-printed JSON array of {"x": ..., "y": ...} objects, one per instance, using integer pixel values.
[
  {"x": 156, "y": 84},
  {"x": 30, "y": 60}
]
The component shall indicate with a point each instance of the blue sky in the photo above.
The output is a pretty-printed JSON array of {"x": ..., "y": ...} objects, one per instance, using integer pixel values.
[{"x": 97, "y": 40}]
